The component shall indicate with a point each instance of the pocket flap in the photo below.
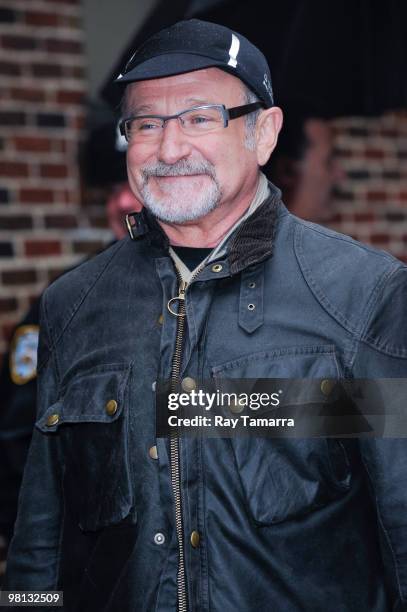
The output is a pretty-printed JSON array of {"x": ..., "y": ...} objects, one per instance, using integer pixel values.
[{"x": 93, "y": 396}]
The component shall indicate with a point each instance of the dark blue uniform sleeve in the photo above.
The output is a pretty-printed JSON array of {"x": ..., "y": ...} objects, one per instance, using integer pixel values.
[{"x": 34, "y": 550}]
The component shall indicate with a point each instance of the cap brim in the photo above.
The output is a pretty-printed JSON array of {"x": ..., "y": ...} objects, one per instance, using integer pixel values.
[{"x": 169, "y": 64}]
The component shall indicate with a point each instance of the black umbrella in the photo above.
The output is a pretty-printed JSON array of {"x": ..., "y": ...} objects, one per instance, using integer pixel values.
[{"x": 327, "y": 59}]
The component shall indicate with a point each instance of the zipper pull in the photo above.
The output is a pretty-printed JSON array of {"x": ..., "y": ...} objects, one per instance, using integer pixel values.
[{"x": 181, "y": 298}]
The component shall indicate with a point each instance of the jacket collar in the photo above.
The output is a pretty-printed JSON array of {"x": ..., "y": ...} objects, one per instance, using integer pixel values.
[{"x": 250, "y": 243}]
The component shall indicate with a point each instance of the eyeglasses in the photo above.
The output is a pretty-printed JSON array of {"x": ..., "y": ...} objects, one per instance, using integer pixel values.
[{"x": 193, "y": 122}]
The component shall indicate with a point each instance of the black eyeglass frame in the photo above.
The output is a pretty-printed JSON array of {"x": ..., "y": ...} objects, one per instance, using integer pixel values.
[{"x": 227, "y": 113}]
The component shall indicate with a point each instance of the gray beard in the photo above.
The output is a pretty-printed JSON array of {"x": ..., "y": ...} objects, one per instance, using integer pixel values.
[{"x": 168, "y": 208}]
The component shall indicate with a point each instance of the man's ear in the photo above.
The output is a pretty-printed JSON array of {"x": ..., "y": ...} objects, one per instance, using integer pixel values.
[{"x": 268, "y": 126}]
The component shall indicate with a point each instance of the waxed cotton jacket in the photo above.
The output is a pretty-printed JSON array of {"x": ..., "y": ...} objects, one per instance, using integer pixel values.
[{"x": 276, "y": 524}]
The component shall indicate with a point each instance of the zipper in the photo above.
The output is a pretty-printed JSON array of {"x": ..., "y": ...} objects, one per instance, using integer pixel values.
[{"x": 174, "y": 440}]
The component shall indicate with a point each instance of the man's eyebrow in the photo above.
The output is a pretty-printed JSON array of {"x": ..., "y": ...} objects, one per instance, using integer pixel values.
[
  {"x": 147, "y": 108},
  {"x": 140, "y": 110}
]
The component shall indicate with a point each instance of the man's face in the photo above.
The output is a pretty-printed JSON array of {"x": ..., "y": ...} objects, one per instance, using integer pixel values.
[{"x": 182, "y": 178}]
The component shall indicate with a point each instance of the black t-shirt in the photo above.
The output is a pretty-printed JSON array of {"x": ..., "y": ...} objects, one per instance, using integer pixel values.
[{"x": 191, "y": 256}]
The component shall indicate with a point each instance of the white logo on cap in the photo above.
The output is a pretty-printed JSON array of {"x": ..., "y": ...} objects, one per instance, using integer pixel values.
[
  {"x": 267, "y": 85},
  {"x": 233, "y": 51},
  {"x": 120, "y": 76}
]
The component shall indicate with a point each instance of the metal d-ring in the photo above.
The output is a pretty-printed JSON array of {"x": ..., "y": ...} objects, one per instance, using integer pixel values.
[{"x": 176, "y": 314}]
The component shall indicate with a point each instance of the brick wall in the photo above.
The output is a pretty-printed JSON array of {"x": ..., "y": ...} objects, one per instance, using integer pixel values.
[
  {"x": 42, "y": 94},
  {"x": 371, "y": 205},
  {"x": 47, "y": 222}
]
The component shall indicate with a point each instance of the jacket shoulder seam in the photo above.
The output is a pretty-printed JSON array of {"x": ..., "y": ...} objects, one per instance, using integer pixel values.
[{"x": 82, "y": 297}]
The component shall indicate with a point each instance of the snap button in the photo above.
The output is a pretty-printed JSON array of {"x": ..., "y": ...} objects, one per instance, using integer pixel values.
[
  {"x": 217, "y": 268},
  {"x": 111, "y": 407},
  {"x": 236, "y": 408},
  {"x": 153, "y": 452},
  {"x": 251, "y": 306},
  {"x": 195, "y": 539},
  {"x": 188, "y": 384},
  {"x": 159, "y": 538},
  {"x": 327, "y": 386},
  {"x": 52, "y": 420},
  {"x": 252, "y": 285},
  {"x": 161, "y": 319}
]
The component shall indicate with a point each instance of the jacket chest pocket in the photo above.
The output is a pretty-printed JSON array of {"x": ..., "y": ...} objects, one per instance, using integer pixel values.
[
  {"x": 284, "y": 478},
  {"x": 92, "y": 420}
]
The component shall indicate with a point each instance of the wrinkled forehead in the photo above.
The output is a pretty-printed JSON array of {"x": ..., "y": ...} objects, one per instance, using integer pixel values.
[{"x": 207, "y": 86}]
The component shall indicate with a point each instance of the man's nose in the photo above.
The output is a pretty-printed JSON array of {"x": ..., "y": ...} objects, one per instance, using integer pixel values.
[{"x": 174, "y": 144}]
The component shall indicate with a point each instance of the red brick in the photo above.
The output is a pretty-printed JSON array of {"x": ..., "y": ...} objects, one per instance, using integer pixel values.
[
  {"x": 10, "y": 69},
  {"x": 41, "y": 19},
  {"x": 364, "y": 217},
  {"x": 88, "y": 247},
  {"x": 18, "y": 43},
  {"x": 379, "y": 238},
  {"x": 7, "y": 330},
  {"x": 27, "y": 95},
  {"x": 54, "y": 273},
  {"x": 46, "y": 70},
  {"x": 13, "y": 169},
  {"x": 389, "y": 133},
  {"x": 56, "y": 45},
  {"x": 53, "y": 171},
  {"x": 8, "y": 304},
  {"x": 38, "y": 248},
  {"x": 376, "y": 196},
  {"x": 79, "y": 122},
  {"x": 19, "y": 277},
  {"x": 13, "y": 118},
  {"x": 70, "y": 97},
  {"x": 60, "y": 221},
  {"x": 15, "y": 222},
  {"x": 32, "y": 143},
  {"x": 36, "y": 196},
  {"x": 403, "y": 196},
  {"x": 375, "y": 154}
]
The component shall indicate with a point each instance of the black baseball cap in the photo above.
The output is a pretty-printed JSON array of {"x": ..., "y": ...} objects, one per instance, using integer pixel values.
[{"x": 194, "y": 44}]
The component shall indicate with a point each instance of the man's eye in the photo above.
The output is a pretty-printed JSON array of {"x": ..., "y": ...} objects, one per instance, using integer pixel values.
[
  {"x": 147, "y": 125},
  {"x": 196, "y": 119}
]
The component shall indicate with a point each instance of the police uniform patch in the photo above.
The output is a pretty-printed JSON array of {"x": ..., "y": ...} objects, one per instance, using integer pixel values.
[{"x": 23, "y": 354}]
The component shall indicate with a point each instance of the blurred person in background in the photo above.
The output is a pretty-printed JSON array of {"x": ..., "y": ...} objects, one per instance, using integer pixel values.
[
  {"x": 305, "y": 168},
  {"x": 103, "y": 164}
]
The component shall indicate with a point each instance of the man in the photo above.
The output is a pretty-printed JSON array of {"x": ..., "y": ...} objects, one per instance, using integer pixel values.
[
  {"x": 220, "y": 282},
  {"x": 305, "y": 168}
]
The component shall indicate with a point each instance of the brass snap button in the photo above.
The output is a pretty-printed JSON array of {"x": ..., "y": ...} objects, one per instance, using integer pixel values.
[
  {"x": 111, "y": 407},
  {"x": 188, "y": 384},
  {"x": 153, "y": 452},
  {"x": 195, "y": 539},
  {"x": 217, "y": 268},
  {"x": 327, "y": 386},
  {"x": 52, "y": 420},
  {"x": 236, "y": 407}
]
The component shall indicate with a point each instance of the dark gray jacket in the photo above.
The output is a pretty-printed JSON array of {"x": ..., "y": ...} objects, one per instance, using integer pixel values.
[{"x": 290, "y": 525}]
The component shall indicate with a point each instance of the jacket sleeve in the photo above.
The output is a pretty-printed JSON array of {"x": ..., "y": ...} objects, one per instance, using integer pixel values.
[
  {"x": 382, "y": 355},
  {"x": 33, "y": 558}
]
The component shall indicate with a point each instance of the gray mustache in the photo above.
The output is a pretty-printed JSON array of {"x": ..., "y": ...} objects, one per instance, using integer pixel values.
[{"x": 180, "y": 168}]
